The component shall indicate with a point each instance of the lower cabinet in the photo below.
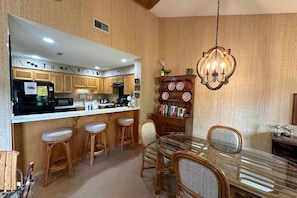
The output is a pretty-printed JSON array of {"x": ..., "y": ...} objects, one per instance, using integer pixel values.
[
  {"x": 166, "y": 124},
  {"x": 285, "y": 147}
]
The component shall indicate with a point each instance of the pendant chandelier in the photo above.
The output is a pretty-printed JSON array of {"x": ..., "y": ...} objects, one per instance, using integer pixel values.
[{"x": 217, "y": 65}]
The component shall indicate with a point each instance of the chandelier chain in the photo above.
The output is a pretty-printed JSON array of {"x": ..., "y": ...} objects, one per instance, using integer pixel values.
[{"x": 217, "y": 28}]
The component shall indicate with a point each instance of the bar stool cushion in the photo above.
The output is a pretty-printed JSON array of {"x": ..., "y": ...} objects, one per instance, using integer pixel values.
[
  {"x": 95, "y": 127},
  {"x": 57, "y": 134},
  {"x": 125, "y": 121}
]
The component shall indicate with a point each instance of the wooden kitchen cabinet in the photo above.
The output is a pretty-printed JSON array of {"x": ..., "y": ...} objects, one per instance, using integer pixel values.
[
  {"x": 174, "y": 94},
  {"x": 67, "y": 83},
  {"x": 28, "y": 74},
  {"x": 42, "y": 75},
  {"x": 63, "y": 82},
  {"x": 92, "y": 82},
  {"x": 128, "y": 84},
  {"x": 108, "y": 81},
  {"x": 79, "y": 81},
  {"x": 100, "y": 87},
  {"x": 165, "y": 124},
  {"x": 22, "y": 74}
]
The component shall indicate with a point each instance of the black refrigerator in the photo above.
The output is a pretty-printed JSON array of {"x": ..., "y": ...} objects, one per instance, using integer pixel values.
[{"x": 32, "y": 97}]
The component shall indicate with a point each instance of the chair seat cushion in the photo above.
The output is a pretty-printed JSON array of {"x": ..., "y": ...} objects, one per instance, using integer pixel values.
[
  {"x": 95, "y": 127},
  {"x": 57, "y": 134},
  {"x": 125, "y": 121}
]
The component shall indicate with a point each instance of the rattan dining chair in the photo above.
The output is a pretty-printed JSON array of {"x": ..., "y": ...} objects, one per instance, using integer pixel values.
[
  {"x": 147, "y": 136},
  {"x": 219, "y": 135},
  {"x": 196, "y": 177},
  {"x": 12, "y": 182}
]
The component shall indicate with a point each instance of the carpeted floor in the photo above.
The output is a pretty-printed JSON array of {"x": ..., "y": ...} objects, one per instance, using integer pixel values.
[{"x": 116, "y": 177}]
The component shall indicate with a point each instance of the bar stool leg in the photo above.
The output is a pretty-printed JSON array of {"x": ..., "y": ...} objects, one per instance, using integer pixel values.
[
  {"x": 69, "y": 161},
  {"x": 132, "y": 136},
  {"x": 47, "y": 164},
  {"x": 123, "y": 131},
  {"x": 93, "y": 137},
  {"x": 105, "y": 144},
  {"x": 86, "y": 146}
]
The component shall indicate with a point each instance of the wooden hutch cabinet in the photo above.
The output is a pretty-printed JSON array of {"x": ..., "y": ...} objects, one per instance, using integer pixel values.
[{"x": 175, "y": 102}]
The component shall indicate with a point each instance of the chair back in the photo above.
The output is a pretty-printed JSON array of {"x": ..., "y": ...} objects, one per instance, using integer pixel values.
[
  {"x": 196, "y": 177},
  {"x": 8, "y": 170},
  {"x": 147, "y": 132},
  {"x": 29, "y": 182},
  {"x": 219, "y": 136}
]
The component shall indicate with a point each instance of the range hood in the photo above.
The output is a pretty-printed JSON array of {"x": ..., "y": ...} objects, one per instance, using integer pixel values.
[{"x": 118, "y": 84}]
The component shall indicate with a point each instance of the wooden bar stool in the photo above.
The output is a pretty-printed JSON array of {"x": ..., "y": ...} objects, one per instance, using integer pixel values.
[
  {"x": 50, "y": 139},
  {"x": 97, "y": 140},
  {"x": 126, "y": 126}
]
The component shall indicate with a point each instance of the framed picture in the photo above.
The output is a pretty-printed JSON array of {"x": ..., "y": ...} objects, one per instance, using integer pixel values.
[{"x": 294, "y": 120}]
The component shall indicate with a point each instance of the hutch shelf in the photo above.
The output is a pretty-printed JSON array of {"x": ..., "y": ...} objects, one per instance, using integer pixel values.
[{"x": 174, "y": 104}]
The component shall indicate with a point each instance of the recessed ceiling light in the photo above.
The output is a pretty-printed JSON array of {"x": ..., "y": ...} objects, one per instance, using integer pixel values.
[
  {"x": 48, "y": 40},
  {"x": 35, "y": 57},
  {"x": 123, "y": 60},
  {"x": 97, "y": 67}
]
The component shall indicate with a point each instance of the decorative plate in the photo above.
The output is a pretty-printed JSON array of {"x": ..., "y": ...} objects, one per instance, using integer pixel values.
[
  {"x": 187, "y": 96},
  {"x": 180, "y": 86},
  {"x": 165, "y": 95},
  {"x": 171, "y": 86}
]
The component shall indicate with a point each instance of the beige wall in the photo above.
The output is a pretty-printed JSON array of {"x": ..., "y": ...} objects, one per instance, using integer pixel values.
[
  {"x": 132, "y": 29},
  {"x": 260, "y": 92}
]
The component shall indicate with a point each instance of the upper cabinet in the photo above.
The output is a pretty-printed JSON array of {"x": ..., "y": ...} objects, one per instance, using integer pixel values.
[
  {"x": 108, "y": 81},
  {"x": 85, "y": 82},
  {"x": 128, "y": 81},
  {"x": 63, "y": 82},
  {"x": 92, "y": 82},
  {"x": 28, "y": 74},
  {"x": 79, "y": 81},
  {"x": 128, "y": 84},
  {"x": 100, "y": 87}
]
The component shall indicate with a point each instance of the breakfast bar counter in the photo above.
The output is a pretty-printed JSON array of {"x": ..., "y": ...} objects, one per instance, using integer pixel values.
[
  {"x": 28, "y": 129},
  {"x": 67, "y": 114}
]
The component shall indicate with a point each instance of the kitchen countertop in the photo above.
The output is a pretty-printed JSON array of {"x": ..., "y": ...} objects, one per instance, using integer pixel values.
[
  {"x": 68, "y": 114},
  {"x": 81, "y": 105}
]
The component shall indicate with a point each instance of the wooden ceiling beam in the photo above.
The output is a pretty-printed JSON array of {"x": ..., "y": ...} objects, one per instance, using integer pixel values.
[{"x": 148, "y": 4}]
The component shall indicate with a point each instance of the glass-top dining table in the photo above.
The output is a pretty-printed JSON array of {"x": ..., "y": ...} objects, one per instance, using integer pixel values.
[{"x": 250, "y": 172}]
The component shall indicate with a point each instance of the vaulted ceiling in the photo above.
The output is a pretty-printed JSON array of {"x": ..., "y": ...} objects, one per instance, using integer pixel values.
[{"x": 184, "y": 8}]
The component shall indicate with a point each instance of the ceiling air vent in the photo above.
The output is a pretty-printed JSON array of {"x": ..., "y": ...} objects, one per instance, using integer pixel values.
[{"x": 101, "y": 25}]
